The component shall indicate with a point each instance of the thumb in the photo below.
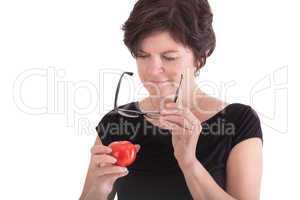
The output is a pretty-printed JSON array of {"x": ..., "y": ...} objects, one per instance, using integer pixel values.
[{"x": 138, "y": 147}]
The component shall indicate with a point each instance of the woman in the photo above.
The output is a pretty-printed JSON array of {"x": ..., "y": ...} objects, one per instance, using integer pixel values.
[{"x": 198, "y": 147}]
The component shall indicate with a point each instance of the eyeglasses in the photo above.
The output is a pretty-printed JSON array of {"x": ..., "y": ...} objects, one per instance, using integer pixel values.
[{"x": 136, "y": 113}]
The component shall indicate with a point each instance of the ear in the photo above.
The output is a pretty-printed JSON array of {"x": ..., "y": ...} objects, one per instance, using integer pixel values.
[{"x": 197, "y": 64}]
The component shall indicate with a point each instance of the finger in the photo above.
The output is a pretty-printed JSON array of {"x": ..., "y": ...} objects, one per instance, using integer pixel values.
[
  {"x": 178, "y": 120},
  {"x": 171, "y": 105},
  {"x": 176, "y": 113},
  {"x": 168, "y": 125},
  {"x": 194, "y": 121},
  {"x": 175, "y": 108},
  {"x": 103, "y": 159},
  {"x": 173, "y": 111},
  {"x": 166, "y": 101},
  {"x": 106, "y": 164},
  {"x": 189, "y": 115},
  {"x": 99, "y": 149},
  {"x": 110, "y": 170},
  {"x": 184, "y": 112},
  {"x": 176, "y": 130}
]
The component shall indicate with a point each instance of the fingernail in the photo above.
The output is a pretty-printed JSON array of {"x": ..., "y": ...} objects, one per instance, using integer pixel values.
[{"x": 125, "y": 169}]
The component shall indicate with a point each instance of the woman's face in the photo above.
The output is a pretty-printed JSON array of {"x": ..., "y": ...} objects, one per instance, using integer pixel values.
[{"x": 161, "y": 61}]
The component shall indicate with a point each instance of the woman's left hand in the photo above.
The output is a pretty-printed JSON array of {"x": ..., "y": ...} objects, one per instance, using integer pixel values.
[{"x": 185, "y": 128}]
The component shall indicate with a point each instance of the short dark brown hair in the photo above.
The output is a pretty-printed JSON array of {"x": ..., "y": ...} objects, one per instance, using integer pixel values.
[{"x": 188, "y": 22}]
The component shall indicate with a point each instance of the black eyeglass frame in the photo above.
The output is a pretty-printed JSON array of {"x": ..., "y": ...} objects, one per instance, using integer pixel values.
[{"x": 136, "y": 113}]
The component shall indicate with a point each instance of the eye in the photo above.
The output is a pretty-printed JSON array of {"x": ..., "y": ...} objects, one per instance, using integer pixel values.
[
  {"x": 169, "y": 58},
  {"x": 141, "y": 56}
]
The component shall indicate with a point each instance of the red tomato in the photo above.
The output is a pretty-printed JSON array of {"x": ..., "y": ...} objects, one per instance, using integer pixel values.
[{"x": 124, "y": 152}]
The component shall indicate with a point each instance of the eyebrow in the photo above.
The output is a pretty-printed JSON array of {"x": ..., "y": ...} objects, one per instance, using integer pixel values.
[{"x": 168, "y": 51}]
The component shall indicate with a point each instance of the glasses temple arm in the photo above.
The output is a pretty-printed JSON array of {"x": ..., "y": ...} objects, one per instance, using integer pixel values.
[
  {"x": 177, "y": 91},
  {"x": 118, "y": 87}
]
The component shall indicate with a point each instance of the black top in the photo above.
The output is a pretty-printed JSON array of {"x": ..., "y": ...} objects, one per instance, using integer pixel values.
[{"x": 155, "y": 174}]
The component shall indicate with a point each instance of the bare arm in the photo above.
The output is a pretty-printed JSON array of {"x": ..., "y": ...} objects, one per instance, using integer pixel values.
[
  {"x": 90, "y": 190},
  {"x": 244, "y": 171}
]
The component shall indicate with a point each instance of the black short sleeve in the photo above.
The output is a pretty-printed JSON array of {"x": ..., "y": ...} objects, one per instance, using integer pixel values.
[
  {"x": 103, "y": 128},
  {"x": 248, "y": 126}
]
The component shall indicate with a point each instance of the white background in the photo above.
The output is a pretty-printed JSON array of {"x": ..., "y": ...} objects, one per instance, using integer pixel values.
[{"x": 45, "y": 46}]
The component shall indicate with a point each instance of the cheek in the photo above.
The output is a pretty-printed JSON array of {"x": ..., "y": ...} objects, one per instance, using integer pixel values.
[
  {"x": 172, "y": 70},
  {"x": 176, "y": 69},
  {"x": 187, "y": 68},
  {"x": 141, "y": 71}
]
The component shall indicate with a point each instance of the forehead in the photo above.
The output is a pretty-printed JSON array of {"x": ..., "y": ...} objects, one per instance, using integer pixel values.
[{"x": 160, "y": 42}]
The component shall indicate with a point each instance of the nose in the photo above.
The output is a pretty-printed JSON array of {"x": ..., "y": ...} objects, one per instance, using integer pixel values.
[{"x": 155, "y": 65}]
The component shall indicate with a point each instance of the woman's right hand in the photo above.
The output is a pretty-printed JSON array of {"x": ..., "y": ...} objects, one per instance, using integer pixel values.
[{"x": 102, "y": 172}]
